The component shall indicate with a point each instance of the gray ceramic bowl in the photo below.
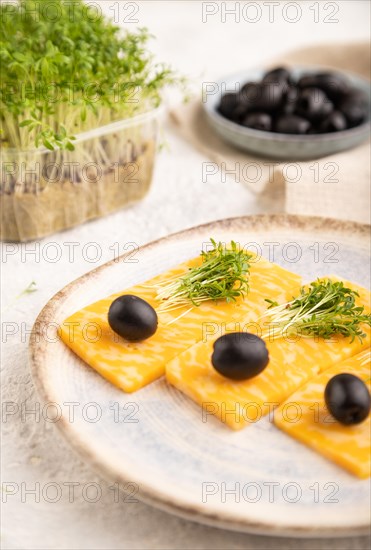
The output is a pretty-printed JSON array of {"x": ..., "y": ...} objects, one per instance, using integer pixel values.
[{"x": 284, "y": 146}]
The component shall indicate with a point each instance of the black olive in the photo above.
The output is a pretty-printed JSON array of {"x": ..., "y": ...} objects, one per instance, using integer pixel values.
[
  {"x": 333, "y": 84},
  {"x": 313, "y": 104},
  {"x": 249, "y": 96},
  {"x": 266, "y": 96},
  {"x": 347, "y": 399},
  {"x": 291, "y": 124},
  {"x": 239, "y": 355},
  {"x": 307, "y": 80},
  {"x": 355, "y": 96},
  {"x": 132, "y": 318},
  {"x": 290, "y": 100},
  {"x": 258, "y": 121},
  {"x": 335, "y": 122},
  {"x": 239, "y": 113},
  {"x": 279, "y": 74},
  {"x": 318, "y": 103},
  {"x": 247, "y": 89},
  {"x": 354, "y": 110},
  {"x": 228, "y": 103}
]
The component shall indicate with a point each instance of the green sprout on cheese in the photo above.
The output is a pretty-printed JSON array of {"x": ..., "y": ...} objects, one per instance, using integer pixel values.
[
  {"x": 324, "y": 308},
  {"x": 222, "y": 275}
]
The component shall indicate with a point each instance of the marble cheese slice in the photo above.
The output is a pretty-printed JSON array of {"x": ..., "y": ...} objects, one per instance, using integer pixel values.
[
  {"x": 309, "y": 422},
  {"x": 239, "y": 403},
  {"x": 130, "y": 366},
  {"x": 292, "y": 363}
]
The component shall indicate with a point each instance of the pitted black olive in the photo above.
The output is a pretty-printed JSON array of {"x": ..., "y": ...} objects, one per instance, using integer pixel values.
[
  {"x": 317, "y": 103},
  {"x": 227, "y": 104},
  {"x": 355, "y": 111},
  {"x": 258, "y": 121},
  {"x": 279, "y": 74},
  {"x": 335, "y": 122},
  {"x": 333, "y": 84},
  {"x": 355, "y": 96},
  {"x": 239, "y": 355},
  {"x": 292, "y": 124},
  {"x": 290, "y": 100},
  {"x": 313, "y": 104},
  {"x": 239, "y": 113},
  {"x": 266, "y": 96},
  {"x": 347, "y": 399},
  {"x": 132, "y": 318}
]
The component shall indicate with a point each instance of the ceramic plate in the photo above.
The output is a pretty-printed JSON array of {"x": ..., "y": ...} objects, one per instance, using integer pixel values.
[
  {"x": 283, "y": 146},
  {"x": 257, "y": 480}
]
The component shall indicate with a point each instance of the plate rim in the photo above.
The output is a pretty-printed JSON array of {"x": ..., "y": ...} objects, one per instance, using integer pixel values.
[{"x": 39, "y": 371}]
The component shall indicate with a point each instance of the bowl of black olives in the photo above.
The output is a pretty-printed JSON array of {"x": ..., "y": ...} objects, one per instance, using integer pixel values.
[{"x": 298, "y": 113}]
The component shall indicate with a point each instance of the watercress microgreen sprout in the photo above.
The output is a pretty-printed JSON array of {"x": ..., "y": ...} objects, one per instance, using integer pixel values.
[
  {"x": 222, "y": 275},
  {"x": 67, "y": 74},
  {"x": 324, "y": 308}
]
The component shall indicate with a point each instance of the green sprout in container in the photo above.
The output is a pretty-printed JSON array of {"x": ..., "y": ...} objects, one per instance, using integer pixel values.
[
  {"x": 65, "y": 75},
  {"x": 78, "y": 118}
]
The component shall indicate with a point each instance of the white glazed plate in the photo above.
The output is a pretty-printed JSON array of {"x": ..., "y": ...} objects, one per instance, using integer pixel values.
[
  {"x": 159, "y": 442},
  {"x": 283, "y": 146}
]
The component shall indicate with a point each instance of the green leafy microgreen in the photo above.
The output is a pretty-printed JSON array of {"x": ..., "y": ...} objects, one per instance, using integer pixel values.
[
  {"x": 51, "y": 67},
  {"x": 32, "y": 287},
  {"x": 323, "y": 309},
  {"x": 222, "y": 275}
]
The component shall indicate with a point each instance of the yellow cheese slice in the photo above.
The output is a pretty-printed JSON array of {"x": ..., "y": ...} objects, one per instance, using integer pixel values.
[
  {"x": 304, "y": 416},
  {"x": 292, "y": 363},
  {"x": 239, "y": 403},
  {"x": 130, "y": 366}
]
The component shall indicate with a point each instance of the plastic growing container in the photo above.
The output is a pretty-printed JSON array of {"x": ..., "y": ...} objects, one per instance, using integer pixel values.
[{"x": 45, "y": 191}]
